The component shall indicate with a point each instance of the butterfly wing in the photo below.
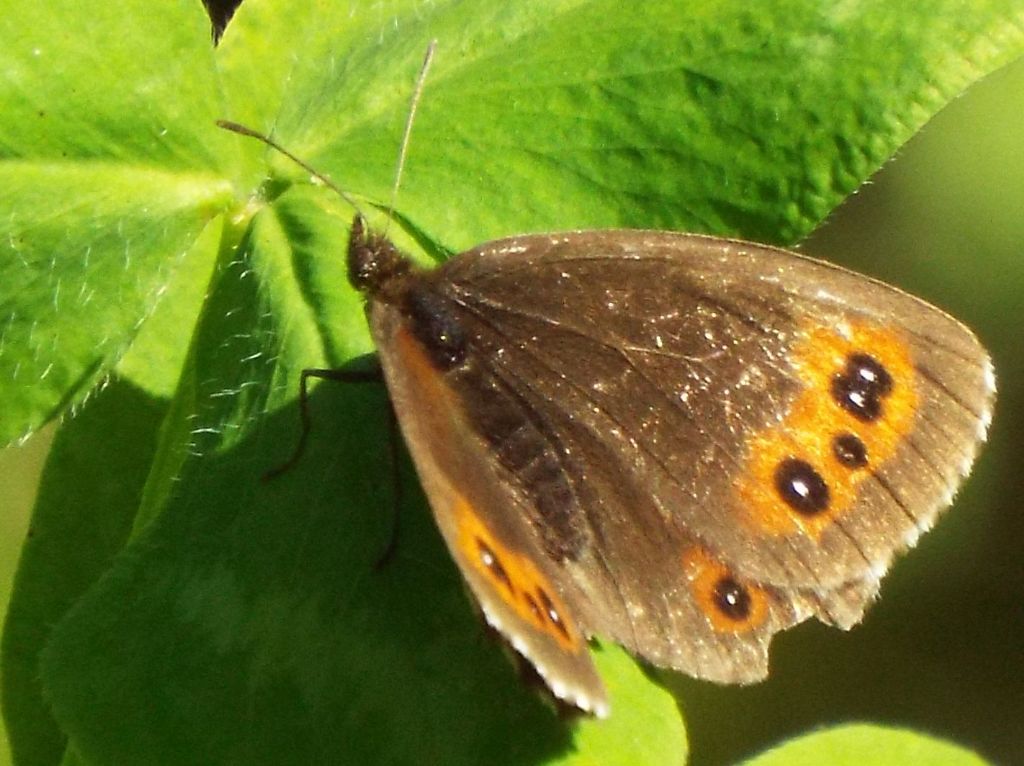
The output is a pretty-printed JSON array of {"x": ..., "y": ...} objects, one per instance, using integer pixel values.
[
  {"x": 480, "y": 514},
  {"x": 722, "y": 438}
]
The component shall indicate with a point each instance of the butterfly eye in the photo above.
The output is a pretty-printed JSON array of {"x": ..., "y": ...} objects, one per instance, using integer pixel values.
[{"x": 372, "y": 260}]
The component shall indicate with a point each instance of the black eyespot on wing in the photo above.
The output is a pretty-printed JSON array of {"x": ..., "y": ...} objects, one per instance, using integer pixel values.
[
  {"x": 801, "y": 487},
  {"x": 850, "y": 450},
  {"x": 732, "y": 599},
  {"x": 534, "y": 607},
  {"x": 490, "y": 560},
  {"x": 862, "y": 386},
  {"x": 551, "y": 613}
]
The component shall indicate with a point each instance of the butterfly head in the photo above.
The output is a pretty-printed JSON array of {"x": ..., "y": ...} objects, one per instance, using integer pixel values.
[{"x": 373, "y": 261}]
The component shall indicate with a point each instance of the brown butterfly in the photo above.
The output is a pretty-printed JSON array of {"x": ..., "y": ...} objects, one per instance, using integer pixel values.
[
  {"x": 681, "y": 443},
  {"x": 678, "y": 442}
]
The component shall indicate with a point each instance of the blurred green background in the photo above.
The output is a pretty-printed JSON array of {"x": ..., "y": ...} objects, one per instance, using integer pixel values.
[{"x": 944, "y": 220}]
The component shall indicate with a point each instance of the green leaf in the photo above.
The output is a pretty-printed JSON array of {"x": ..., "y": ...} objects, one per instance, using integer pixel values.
[
  {"x": 90, "y": 250},
  {"x": 730, "y": 119},
  {"x": 644, "y": 729},
  {"x": 260, "y": 630},
  {"x": 157, "y": 353},
  {"x": 866, "y": 745},
  {"x": 245, "y": 621},
  {"x": 87, "y": 501},
  {"x": 108, "y": 175}
]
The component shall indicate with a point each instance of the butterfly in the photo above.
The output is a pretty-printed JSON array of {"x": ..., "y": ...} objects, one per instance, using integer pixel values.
[
  {"x": 681, "y": 443},
  {"x": 677, "y": 442}
]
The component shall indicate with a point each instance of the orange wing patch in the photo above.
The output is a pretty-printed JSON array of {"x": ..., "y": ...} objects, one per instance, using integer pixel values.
[
  {"x": 857, "y": 405},
  {"x": 516, "y": 579},
  {"x": 513, "y": 575},
  {"x": 729, "y": 604}
]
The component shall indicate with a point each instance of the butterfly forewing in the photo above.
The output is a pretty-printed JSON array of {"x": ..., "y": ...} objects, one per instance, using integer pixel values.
[{"x": 789, "y": 420}]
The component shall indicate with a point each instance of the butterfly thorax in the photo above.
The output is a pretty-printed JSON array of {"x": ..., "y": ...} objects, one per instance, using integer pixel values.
[
  {"x": 384, "y": 274},
  {"x": 431, "y": 313}
]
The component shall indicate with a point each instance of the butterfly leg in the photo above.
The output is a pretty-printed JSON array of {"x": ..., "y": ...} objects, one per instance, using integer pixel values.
[
  {"x": 356, "y": 372},
  {"x": 361, "y": 370},
  {"x": 392, "y": 544}
]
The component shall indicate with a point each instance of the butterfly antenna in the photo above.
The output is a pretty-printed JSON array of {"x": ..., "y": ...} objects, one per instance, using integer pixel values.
[
  {"x": 413, "y": 104},
  {"x": 242, "y": 130}
]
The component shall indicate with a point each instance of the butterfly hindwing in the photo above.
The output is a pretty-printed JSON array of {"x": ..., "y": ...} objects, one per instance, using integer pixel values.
[{"x": 479, "y": 514}]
